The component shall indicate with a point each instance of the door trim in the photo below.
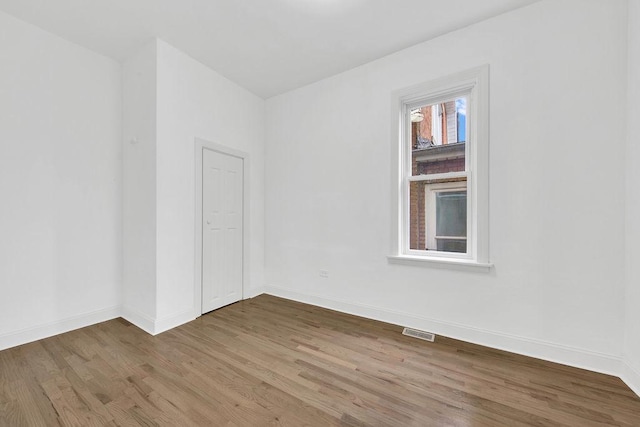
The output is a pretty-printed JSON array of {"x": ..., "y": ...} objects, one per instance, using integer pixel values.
[{"x": 200, "y": 145}]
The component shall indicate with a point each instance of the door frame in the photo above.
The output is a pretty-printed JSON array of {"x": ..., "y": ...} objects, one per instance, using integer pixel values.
[{"x": 200, "y": 145}]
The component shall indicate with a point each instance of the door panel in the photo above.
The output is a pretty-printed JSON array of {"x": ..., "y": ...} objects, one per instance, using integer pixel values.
[{"x": 222, "y": 240}]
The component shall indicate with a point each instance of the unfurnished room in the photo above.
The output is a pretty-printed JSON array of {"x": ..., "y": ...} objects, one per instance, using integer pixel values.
[{"x": 320, "y": 213}]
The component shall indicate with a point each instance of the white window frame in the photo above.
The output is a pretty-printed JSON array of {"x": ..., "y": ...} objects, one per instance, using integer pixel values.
[{"x": 473, "y": 84}]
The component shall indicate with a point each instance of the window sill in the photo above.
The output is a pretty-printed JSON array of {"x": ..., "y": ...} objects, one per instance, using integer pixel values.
[{"x": 454, "y": 264}]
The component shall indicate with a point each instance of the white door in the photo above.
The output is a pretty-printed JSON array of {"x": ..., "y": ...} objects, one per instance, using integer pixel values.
[{"x": 222, "y": 240}]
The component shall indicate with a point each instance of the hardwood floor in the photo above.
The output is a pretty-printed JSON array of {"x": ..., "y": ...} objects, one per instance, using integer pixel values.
[{"x": 269, "y": 361}]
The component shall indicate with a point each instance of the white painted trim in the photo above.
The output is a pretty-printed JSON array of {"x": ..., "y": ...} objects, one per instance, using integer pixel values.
[
  {"x": 438, "y": 176},
  {"x": 449, "y": 262},
  {"x": 157, "y": 326},
  {"x": 201, "y": 144},
  {"x": 175, "y": 320},
  {"x": 631, "y": 377},
  {"x": 140, "y": 320},
  {"x": 47, "y": 330},
  {"x": 585, "y": 359},
  {"x": 254, "y": 292}
]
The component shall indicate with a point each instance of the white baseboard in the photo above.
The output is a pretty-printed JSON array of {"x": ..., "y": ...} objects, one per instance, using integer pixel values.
[
  {"x": 173, "y": 321},
  {"x": 140, "y": 320},
  {"x": 631, "y": 376},
  {"x": 254, "y": 292},
  {"x": 579, "y": 358},
  {"x": 47, "y": 330},
  {"x": 157, "y": 326}
]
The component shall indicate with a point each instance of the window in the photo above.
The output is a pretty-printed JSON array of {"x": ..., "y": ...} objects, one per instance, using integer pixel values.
[{"x": 440, "y": 163}]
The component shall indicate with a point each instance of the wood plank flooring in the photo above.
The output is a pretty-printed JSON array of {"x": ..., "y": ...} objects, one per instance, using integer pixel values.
[{"x": 274, "y": 362}]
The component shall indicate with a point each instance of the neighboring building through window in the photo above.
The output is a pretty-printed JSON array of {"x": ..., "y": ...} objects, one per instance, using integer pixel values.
[
  {"x": 438, "y": 213},
  {"x": 442, "y": 167}
]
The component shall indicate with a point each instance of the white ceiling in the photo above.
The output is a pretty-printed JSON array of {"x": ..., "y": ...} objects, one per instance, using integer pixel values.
[{"x": 267, "y": 46}]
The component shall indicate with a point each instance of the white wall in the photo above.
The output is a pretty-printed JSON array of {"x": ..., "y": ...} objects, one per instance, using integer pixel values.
[
  {"x": 556, "y": 199},
  {"x": 632, "y": 336},
  {"x": 170, "y": 100},
  {"x": 557, "y": 189},
  {"x": 194, "y": 101},
  {"x": 60, "y": 221},
  {"x": 139, "y": 187}
]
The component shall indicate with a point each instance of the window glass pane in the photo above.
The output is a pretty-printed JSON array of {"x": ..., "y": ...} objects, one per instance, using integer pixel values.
[
  {"x": 450, "y": 245},
  {"x": 417, "y": 232},
  {"x": 438, "y": 137},
  {"x": 451, "y": 213},
  {"x": 438, "y": 216},
  {"x": 461, "y": 112},
  {"x": 451, "y": 221}
]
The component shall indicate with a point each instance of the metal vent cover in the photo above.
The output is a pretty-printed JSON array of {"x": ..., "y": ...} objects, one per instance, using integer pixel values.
[{"x": 417, "y": 333}]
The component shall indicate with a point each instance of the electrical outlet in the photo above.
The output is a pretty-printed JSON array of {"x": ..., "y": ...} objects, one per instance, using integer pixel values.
[{"x": 324, "y": 273}]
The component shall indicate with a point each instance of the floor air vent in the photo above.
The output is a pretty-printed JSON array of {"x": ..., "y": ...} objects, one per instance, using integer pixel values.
[{"x": 416, "y": 333}]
